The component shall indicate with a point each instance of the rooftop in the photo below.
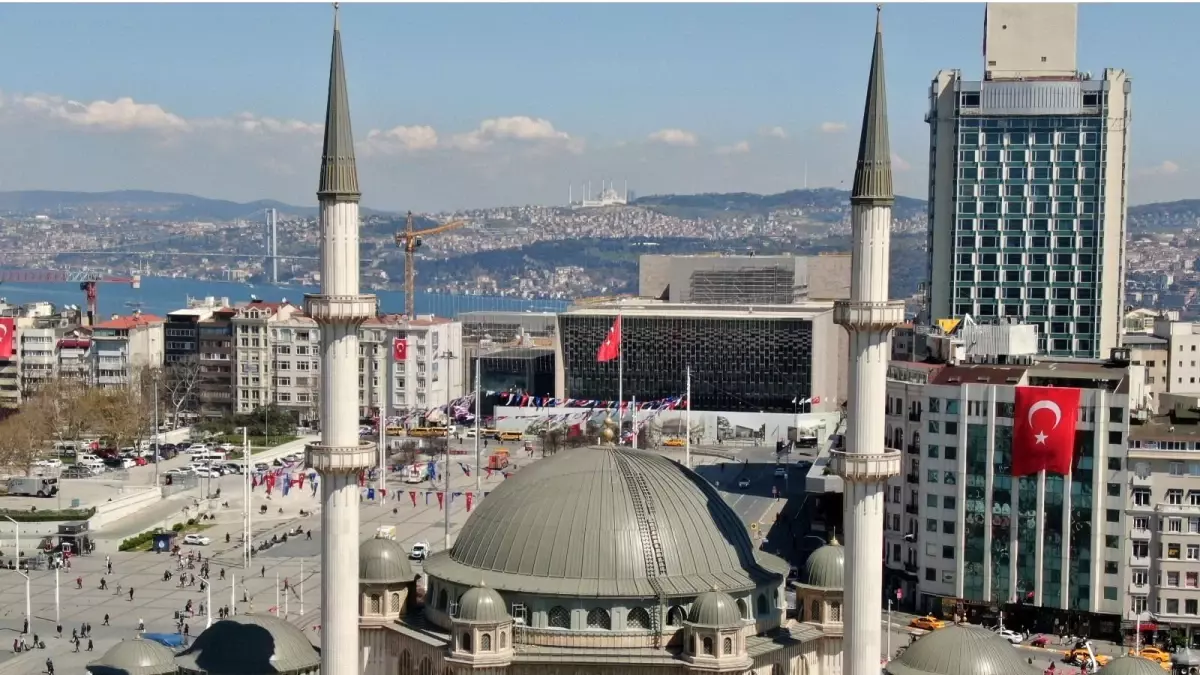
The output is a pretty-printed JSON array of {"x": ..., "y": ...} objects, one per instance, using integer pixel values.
[
  {"x": 1142, "y": 340},
  {"x": 970, "y": 373},
  {"x": 1165, "y": 428},
  {"x": 642, "y": 307},
  {"x": 130, "y": 322}
]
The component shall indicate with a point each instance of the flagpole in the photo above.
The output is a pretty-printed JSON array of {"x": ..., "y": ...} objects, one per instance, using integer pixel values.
[
  {"x": 620, "y": 377},
  {"x": 478, "y": 412},
  {"x": 383, "y": 408},
  {"x": 687, "y": 443},
  {"x": 633, "y": 426},
  {"x": 233, "y": 592}
]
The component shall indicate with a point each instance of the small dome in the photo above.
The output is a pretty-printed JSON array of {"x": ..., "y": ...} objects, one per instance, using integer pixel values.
[
  {"x": 482, "y": 605},
  {"x": 961, "y": 650},
  {"x": 715, "y": 609},
  {"x": 134, "y": 657},
  {"x": 383, "y": 561},
  {"x": 826, "y": 567},
  {"x": 1131, "y": 665},
  {"x": 249, "y": 644}
]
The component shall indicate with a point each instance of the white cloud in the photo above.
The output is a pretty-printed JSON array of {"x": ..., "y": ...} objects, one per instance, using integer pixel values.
[
  {"x": 517, "y": 128},
  {"x": 401, "y": 138},
  {"x": 773, "y": 132},
  {"x": 1167, "y": 168},
  {"x": 123, "y": 114},
  {"x": 677, "y": 137},
  {"x": 739, "y": 148},
  {"x": 833, "y": 127},
  {"x": 899, "y": 163},
  {"x": 254, "y": 124}
]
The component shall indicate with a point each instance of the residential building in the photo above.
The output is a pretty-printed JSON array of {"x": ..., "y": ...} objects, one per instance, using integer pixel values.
[
  {"x": 426, "y": 378},
  {"x": 1027, "y": 185},
  {"x": 255, "y": 331},
  {"x": 757, "y": 358},
  {"x": 47, "y": 337},
  {"x": 126, "y": 347},
  {"x": 1141, "y": 319},
  {"x": 216, "y": 388}
]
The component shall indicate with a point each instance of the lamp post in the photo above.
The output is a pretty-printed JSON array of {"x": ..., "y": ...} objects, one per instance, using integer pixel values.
[
  {"x": 247, "y": 494},
  {"x": 22, "y": 572},
  {"x": 448, "y": 355},
  {"x": 478, "y": 412},
  {"x": 155, "y": 435}
]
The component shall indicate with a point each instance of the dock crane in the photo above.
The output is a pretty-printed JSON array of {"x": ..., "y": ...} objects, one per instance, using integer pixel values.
[
  {"x": 87, "y": 282},
  {"x": 410, "y": 241}
]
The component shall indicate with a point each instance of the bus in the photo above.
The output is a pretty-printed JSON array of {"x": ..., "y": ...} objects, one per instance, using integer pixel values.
[{"x": 427, "y": 432}]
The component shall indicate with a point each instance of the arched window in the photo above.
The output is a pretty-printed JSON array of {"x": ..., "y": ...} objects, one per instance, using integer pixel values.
[
  {"x": 503, "y": 639},
  {"x": 675, "y": 616},
  {"x": 485, "y": 643},
  {"x": 405, "y": 663},
  {"x": 816, "y": 611},
  {"x": 558, "y": 617},
  {"x": 442, "y": 600},
  {"x": 727, "y": 646},
  {"x": 917, "y": 439},
  {"x": 638, "y": 619},
  {"x": 450, "y": 671},
  {"x": 743, "y": 610},
  {"x": 375, "y": 605},
  {"x": 598, "y": 619},
  {"x": 800, "y": 610},
  {"x": 762, "y": 604},
  {"x": 898, "y": 438},
  {"x": 835, "y": 611},
  {"x": 708, "y": 646},
  {"x": 426, "y": 667},
  {"x": 395, "y": 603},
  {"x": 777, "y": 669},
  {"x": 465, "y": 641}
]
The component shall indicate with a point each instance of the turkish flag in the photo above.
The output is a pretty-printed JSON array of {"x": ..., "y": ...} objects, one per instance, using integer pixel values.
[
  {"x": 7, "y": 331},
  {"x": 470, "y": 501},
  {"x": 1044, "y": 430},
  {"x": 399, "y": 349},
  {"x": 611, "y": 347}
]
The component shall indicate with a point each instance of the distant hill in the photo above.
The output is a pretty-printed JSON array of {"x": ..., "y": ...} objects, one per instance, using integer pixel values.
[
  {"x": 146, "y": 203},
  {"x": 828, "y": 201}
]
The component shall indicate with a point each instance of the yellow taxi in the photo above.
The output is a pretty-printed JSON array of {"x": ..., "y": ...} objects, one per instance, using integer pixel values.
[
  {"x": 1079, "y": 657},
  {"x": 675, "y": 442},
  {"x": 1152, "y": 653},
  {"x": 927, "y": 623}
]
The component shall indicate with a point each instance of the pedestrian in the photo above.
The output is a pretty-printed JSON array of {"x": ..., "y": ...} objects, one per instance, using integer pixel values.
[
  {"x": 131, "y": 593},
  {"x": 74, "y": 635},
  {"x": 76, "y": 643},
  {"x": 59, "y": 629},
  {"x": 89, "y": 629},
  {"x": 103, "y": 584},
  {"x": 89, "y": 644},
  {"x": 78, "y": 583},
  {"x": 105, "y": 620},
  {"x": 25, "y": 627},
  {"x": 49, "y": 667},
  {"x": 263, "y": 572},
  {"x": 222, "y": 574},
  {"x": 185, "y": 631},
  {"x": 141, "y": 626}
]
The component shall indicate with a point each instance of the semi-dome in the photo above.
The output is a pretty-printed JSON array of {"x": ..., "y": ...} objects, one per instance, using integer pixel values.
[
  {"x": 961, "y": 650},
  {"x": 383, "y": 561},
  {"x": 599, "y": 522},
  {"x": 482, "y": 605},
  {"x": 134, "y": 657},
  {"x": 250, "y": 644},
  {"x": 1131, "y": 665},
  {"x": 715, "y": 609},
  {"x": 826, "y": 566}
]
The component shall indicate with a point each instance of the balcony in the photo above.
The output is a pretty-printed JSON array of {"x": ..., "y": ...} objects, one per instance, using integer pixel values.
[
  {"x": 1144, "y": 481},
  {"x": 912, "y": 478},
  {"x": 913, "y": 449},
  {"x": 1139, "y": 561},
  {"x": 914, "y": 416},
  {"x": 1136, "y": 588},
  {"x": 913, "y": 509},
  {"x": 1140, "y": 533},
  {"x": 1180, "y": 509},
  {"x": 911, "y": 567}
]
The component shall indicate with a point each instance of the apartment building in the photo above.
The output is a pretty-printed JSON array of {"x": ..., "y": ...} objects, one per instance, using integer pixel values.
[
  {"x": 257, "y": 339},
  {"x": 426, "y": 378},
  {"x": 124, "y": 347},
  {"x": 1162, "y": 578},
  {"x": 215, "y": 389}
]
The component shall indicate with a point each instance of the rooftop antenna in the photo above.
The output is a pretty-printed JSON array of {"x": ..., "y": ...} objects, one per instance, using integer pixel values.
[
  {"x": 570, "y": 193},
  {"x": 626, "y": 190},
  {"x": 806, "y": 174}
]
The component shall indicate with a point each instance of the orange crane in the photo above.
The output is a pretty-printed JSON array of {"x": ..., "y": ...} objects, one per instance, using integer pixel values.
[
  {"x": 87, "y": 282},
  {"x": 410, "y": 241}
]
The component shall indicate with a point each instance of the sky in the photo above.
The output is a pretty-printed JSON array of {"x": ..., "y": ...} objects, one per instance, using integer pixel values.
[{"x": 475, "y": 105}]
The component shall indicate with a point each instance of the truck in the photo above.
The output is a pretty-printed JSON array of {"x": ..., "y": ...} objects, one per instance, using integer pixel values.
[
  {"x": 386, "y": 532},
  {"x": 414, "y": 473},
  {"x": 498, "y": 460},
  {"x": 37, "y": 486}
]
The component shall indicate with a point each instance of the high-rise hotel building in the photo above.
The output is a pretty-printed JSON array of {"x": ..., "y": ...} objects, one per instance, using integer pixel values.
[{"x": 1027, "y": 185}]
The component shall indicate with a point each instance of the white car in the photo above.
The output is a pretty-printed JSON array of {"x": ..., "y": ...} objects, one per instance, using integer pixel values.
[
  {"x": 781, "y": 471},
  {"x": 206, "y": 471},
  {"x": 1011, "y": 635},
  {"x": 227, "y": 447},
  {"x": 52, "y": 463},
  {"x": 196, "y": 447},
  {"x": 469, "y": 433},
  {"x": 419, "y": 551},
  {"x": 196, "y": 540},
  {"x": 743, "y": 483}
]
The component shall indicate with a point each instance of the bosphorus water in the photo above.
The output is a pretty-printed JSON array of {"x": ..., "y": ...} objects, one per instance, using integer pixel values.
[{"x": 159, "y": 295}]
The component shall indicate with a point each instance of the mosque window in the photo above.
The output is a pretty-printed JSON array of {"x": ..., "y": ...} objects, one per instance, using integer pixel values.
[
  {"x": 599, "y": 619},
  {"x": 485, "y": 643},
  {"x": 395, "y": 602},
  {"x": 442, "y": 600},
  {"x": 426, "y": 667},
  {"x": 675, "y": 616},
  {"x": 559, "y": 617},
  {"x": 835, "y": 611},
  {"x": 638, "y": 619},
  {"x": 405, "y": 663},
  {"x": 465, "y": 641},
  {"x": 743, "y": 609},
  {"x": 727, "y": 646},
  {"x": 376, "y": 606},
  {"x": 762, "y": 604},
  {"x": 708, "y": 646},
  {"x": 503, "y": 639},
  {"x": 816, "y": 610}
]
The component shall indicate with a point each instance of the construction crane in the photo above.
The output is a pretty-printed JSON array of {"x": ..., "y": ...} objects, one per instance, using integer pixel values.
[
  {"x": 87, "y": 282},
  {"x": 410, "y": 241}
]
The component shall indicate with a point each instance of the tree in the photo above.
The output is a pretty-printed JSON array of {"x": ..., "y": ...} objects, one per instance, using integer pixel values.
[
  {"x": 178, "y": 383},
  {"x": 21, "y": 439},
  {"x": 119, "y": 415}
]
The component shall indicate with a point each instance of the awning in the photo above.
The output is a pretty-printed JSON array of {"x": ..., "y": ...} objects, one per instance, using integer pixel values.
[{"x": 74, "y": 343}]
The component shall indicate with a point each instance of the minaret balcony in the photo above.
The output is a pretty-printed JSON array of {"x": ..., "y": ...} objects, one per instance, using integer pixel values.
[
  {"x": 332, "y": 309},
  {"x": 341, "y": 459},
  {"x": 859, "y": 467},
  {"x": 866, "y": 315}
]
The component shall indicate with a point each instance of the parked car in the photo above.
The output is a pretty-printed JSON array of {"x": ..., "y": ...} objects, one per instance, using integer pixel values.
[
  {"x": 419, "y": 551},
  {"x": 196, "y": 540},
  {"x": 196, "y": 447},
  {"x": 1152, "y": 653},
  {"x": 262, "y": 466},
  {"x": 77, "y": 471},
  {"x": 743, "y": 483},
  {"x": 1012, "y": 636},
  {"x": 780, "y": 471}
]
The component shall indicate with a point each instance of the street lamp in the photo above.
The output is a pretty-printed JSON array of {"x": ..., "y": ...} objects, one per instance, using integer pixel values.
[
  {"x": 448, "y": 355},
  {"x": 247, "y": 493},
  {"x": 28, "y": 597}
]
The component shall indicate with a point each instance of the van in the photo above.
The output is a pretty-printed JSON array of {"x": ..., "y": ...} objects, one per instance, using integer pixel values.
[
  {"x": 86, "y": 457},
  {"x": 209, "y": 456}
]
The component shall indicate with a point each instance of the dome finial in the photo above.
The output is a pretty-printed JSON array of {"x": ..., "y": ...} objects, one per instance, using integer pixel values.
[
  {"x": 833, "y": 540},
  {"x": 337, "y": 23}
]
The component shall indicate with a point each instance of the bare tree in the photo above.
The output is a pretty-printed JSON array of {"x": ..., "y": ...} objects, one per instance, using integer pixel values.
[
  {"x": 178, "y": 384},
  {"x": 22, "y": 439},
  {"x": 120, "y": 414}
]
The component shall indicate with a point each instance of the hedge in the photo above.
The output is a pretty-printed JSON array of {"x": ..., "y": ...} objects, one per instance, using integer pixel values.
[
  {"x": 41, "y": 516},
  {"x": 139, "y": 540}
]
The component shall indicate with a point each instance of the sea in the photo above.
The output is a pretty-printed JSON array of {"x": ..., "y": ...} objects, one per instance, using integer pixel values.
[{"x": 160, "y": 295}]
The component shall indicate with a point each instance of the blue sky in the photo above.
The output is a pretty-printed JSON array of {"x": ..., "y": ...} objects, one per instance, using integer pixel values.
[{"x": 675, "y": 97}]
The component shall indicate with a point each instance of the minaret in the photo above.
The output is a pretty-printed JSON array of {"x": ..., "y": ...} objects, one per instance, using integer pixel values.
[
  {"x": 868, "y": 316},
  {"x": 339, "y": 310}
]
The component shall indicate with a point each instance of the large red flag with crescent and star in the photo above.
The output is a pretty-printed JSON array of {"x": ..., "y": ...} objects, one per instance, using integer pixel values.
[
  {"x": 399, "y": 349},
  {"x": 1044, "y": 430},
  {"x": 7, "y": 328},
  {"x": 611, "y": 347}
]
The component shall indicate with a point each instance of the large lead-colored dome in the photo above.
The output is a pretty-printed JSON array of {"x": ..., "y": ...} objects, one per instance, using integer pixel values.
[{"x": 600, "y": 522}]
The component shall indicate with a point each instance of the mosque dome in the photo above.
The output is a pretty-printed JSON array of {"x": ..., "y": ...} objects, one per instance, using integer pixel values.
[
  {"x": 1131, "y": 665},
  {"x": 601, "y": 522},
  {"x": 715, "y": 609},
  {"x": 134, "y": 657},
  {"x": 826, "y": 566},
  {"x": 250, "y": 644},
  {"x": 383, "y": 561},
  {"x": 482, "y": 605},
  {"x": 961, "y": 650}
]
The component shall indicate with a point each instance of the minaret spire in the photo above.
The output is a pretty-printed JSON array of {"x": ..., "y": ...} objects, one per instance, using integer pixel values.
[
  {"x": 873, "y": 172},
  {"x": 339, "y": 173}
]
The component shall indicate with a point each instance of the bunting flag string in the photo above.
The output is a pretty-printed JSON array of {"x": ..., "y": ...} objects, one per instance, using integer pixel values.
[{"x": 526, "y": 401}]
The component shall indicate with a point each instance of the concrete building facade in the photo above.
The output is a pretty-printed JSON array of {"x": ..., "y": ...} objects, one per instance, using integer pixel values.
[{"x": 125, "y": 348}]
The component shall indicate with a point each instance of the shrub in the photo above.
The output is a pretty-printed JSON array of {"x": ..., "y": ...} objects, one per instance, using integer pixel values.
[
  {"x": 41, "y": 516},
  {"x": 177, "y": 527}
]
